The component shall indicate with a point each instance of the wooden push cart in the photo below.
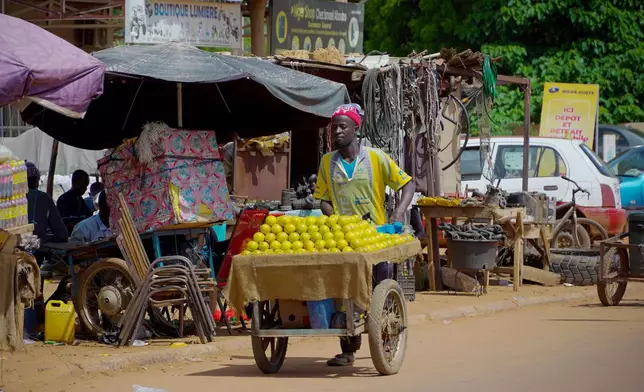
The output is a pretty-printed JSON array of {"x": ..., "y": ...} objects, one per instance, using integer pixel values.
[
  {"x": 264, "y": 280},
  {"x": 615, "y": 269}
]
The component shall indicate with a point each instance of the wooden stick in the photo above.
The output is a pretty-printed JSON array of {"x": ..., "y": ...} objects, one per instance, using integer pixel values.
[
  {"x": 518, "y": 252},
  {"x": 129, "y": 251},
  {"x": 128, "y": 259},
  {"x": 128, "y": 218},
  {"x": 134, "y": 249}
]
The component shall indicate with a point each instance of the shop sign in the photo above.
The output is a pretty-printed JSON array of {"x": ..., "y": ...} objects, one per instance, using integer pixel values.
[
  {"x": 569, "y": 111},
  {"x": 313, "y": 24},
  {"x": 197, "y": 23}
]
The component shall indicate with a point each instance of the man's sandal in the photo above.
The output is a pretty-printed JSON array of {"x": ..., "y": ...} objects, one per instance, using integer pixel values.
[{"x": 341, "y": 360}]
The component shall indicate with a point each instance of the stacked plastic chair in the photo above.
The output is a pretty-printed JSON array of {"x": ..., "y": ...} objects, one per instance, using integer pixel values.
[{"x": 171, "y": 281}]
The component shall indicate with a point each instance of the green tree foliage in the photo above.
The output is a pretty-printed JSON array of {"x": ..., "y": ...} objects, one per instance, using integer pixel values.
[{"x": 573, "y": 41}]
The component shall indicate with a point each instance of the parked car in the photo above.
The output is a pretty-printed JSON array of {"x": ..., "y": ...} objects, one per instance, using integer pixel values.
[
  {"x": 624, "y": 138},
  {"x": 629, "y": 166},
  {"x": 550, "y": 158}
]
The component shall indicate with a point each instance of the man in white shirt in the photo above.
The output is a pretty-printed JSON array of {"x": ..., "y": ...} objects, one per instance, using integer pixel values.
[{"x": 95, "y": 228}]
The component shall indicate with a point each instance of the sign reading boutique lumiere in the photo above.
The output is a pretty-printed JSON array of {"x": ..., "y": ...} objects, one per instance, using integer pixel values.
[
  {"x": 313, "y": 24},
  {"x": 197, "y": 23}
]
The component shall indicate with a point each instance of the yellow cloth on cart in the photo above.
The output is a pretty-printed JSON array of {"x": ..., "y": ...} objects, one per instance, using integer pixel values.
[{"x": 310, "y": 277}]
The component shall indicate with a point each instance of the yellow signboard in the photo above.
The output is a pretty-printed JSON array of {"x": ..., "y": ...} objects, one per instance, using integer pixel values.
[{"x": 569, "y": 111}]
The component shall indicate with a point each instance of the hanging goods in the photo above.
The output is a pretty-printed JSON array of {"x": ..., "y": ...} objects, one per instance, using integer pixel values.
[{"x": 382, "y": 99}]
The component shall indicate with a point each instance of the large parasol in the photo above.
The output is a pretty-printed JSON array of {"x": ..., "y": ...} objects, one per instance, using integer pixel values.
[{"x": 37, "y": 66}]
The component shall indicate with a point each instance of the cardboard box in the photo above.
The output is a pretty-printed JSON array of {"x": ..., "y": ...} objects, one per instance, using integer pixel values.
[{"x": 294, "y": 314}]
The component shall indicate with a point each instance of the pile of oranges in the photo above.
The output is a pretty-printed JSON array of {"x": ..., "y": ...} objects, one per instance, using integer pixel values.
[{"x": 325, "y": 234}]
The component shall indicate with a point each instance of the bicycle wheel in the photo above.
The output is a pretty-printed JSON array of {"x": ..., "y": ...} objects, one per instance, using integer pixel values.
[{"x": 595, "y": 231}]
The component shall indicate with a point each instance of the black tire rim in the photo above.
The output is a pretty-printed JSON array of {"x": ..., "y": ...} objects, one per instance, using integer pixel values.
[{"x": 275, "y": 346}]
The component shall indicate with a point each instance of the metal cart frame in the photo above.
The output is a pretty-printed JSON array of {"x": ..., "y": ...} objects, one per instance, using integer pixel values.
[
  {"x": 386, "y": 322},
  {"x": 612, "y": 279}
]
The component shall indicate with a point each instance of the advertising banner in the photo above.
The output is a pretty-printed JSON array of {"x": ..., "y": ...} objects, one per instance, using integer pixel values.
[
  {"x": 312, "y": 24},
  {"x": 569, "y": 111},
  {"x": 196, "y": 23}
]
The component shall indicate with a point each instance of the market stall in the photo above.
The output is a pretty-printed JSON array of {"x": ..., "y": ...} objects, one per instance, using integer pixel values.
[
  {"x": 171, "y": 177},
  {"x": 518, "y": 225}
]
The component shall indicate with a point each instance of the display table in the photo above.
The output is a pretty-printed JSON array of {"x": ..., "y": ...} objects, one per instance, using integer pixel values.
[
  {"x": 512, "y": 221},
  {"x": 310, "y": 276}
]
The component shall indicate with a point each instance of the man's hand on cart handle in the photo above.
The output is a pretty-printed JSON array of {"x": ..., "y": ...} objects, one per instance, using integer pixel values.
[{"x": 405, "y": 201}]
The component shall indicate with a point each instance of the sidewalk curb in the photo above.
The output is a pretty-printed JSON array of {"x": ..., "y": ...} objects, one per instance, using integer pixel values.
[{"x": 197, "y": 351}]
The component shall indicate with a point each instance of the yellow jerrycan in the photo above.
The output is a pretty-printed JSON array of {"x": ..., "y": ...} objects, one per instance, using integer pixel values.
[{"x": 60, "y": 322}]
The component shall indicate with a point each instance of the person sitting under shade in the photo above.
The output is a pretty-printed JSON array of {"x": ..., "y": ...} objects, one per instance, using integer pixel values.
[
  {"x": 94, "y": 190},
  {"x": 97, "y": 227},
  {"x": 71, "y": 204},
  {"x": 42, "y": 212}
]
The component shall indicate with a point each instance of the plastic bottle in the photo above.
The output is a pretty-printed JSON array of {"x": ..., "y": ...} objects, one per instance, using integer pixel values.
[
  {"x": 7, "y": 180},
  {"x": 25, "y": 211},
  {"x": 4, "y": 170},
  {"x": 3, "y": 213},
  {"x": 24, "y": 188},
  {"x": 12, "y": 212},
  {"x": 14, "y": 178},
  {"x": 21, "y": 211}
]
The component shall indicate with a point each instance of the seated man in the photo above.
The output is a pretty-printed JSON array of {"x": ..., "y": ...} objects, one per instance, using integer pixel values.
[
  {"x": 94, "y": 190},
  {"x": 71, "y": 204},
  {"x": 97, "y": 227},
  {"x": 48, "y": 224}
]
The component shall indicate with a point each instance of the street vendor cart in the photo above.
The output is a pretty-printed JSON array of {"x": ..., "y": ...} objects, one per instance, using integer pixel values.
[
  {"x": 621, "y": 261},
  {"x": 380, "y": 311}
]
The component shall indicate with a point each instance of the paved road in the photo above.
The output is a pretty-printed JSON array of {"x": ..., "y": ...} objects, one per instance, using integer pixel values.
[{"x": 567, "y": 348}]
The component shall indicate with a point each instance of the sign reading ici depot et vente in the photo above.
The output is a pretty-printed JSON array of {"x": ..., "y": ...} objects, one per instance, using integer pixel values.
[
  {"x": 569, "y": 111},
  {"x": 313, "y": 24}
]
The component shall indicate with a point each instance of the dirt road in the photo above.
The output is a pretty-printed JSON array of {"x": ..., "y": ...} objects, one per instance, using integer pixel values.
[{"x": 574, "y": 347}]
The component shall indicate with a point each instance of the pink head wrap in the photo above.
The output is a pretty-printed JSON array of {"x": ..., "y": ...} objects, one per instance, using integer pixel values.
[{"x": 352, "y": 110}]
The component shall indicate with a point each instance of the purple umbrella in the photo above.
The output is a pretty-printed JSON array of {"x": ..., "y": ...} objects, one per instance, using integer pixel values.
[{"x": 41, "y": 67}]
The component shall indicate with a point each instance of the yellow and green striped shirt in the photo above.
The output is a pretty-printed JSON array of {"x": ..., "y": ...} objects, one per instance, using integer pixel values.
[{"x": 364, "y": 192}]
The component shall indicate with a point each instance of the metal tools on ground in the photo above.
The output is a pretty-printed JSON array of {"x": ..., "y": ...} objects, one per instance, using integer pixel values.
[{"x": 471, "y": 232}]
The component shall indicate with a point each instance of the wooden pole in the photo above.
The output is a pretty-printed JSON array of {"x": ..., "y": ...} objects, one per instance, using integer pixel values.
[
  {"x": 257, "y": 37},
  {"x": 526, "y": 135},
  {"x": 179, "y": 105},
  {"x": 52, "y": 168},
  {"x": 518, "y": 253}
]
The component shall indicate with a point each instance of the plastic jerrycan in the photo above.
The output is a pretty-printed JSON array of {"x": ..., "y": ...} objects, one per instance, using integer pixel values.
[{"x": 60, "y": 322}]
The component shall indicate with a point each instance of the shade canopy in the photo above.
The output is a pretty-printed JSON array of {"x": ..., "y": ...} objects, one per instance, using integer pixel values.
[
  {"x": 37, "y": 66},
  {"x": 249, "y": 96}
]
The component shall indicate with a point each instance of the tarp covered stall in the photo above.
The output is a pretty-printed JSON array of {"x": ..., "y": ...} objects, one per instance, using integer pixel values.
[
  {"x": 35, "y": 146},
  {"x": 250, "y": 96}
]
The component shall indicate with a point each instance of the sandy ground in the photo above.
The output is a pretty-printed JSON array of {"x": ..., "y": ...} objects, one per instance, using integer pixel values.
[
  {"x": 40, "y": 362},
  {"x": 565, "y": 347}
]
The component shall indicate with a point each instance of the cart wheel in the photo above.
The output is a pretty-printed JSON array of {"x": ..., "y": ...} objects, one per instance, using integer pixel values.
[
  {"x": 265, "y": 315},
  {"x": 104, "y": 290},
  {"x": 269, "y": 362},
  {"x": 610, "y": 293},
  {"x": 387, "y": 327}
]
